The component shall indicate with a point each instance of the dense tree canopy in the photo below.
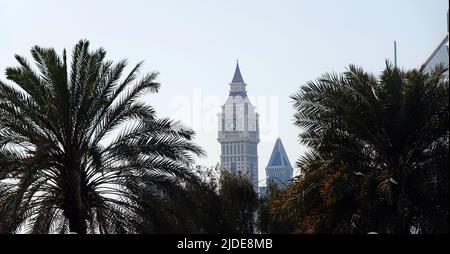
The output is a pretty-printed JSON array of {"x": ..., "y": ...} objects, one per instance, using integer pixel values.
[
  {"x": 222, "y": 203},
  {"x": 379, "y": 154}
]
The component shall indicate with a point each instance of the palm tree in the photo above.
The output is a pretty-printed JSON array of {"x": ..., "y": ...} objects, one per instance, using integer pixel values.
[
  {"x": 379, "y": 151},
  {"x": 82, "y": 152}
]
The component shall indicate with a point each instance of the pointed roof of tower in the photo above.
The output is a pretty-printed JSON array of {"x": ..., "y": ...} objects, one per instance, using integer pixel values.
[
  {"x": 237, "y": 78},
  {"x": 279, "y": 157}
]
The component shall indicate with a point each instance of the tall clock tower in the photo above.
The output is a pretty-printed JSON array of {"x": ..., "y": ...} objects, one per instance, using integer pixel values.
[{"x": 239, "y": 131}]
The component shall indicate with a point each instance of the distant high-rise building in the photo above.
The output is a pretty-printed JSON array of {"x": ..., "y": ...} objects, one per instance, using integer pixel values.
[
  {"x": 239, "y": 131},
  {"x": 440, "y": 54},
  {"x": 279, "y": 169}
]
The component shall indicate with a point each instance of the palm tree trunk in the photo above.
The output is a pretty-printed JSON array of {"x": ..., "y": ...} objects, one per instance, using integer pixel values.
[
  {"x": 75, "y": 211},
  {"x": 77, "y": 224}
]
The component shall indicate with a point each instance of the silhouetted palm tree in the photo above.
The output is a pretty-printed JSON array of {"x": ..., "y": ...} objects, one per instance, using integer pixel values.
[
  {"x": 81, "y": 152},
  {"x": 379, "y": 151}
]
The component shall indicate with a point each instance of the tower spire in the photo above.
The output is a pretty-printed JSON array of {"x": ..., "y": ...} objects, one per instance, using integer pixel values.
[{"x": 237, "y": 78}]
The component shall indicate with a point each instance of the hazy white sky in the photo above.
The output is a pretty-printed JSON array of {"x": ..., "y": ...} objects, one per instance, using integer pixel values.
[{"x": 280, "y": 45}]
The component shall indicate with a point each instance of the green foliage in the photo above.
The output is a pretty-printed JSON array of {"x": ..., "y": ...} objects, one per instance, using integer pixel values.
[
  {"x": 206, "y": 207},
  {"x": 268, "y": 222},
  {"x": 221, "y": 203},
  {"x": 379, "y": 153},
  {"x": 83, "y": 153},
  {"x": 240, "y": 202}
]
